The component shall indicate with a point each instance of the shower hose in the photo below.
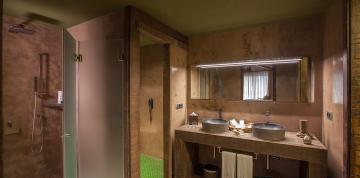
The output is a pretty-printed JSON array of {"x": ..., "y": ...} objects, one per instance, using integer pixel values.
[{"x": 35, "y": 116}]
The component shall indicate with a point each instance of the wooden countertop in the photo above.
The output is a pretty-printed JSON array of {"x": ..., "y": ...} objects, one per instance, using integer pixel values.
[{"x": 292, "y": 147}]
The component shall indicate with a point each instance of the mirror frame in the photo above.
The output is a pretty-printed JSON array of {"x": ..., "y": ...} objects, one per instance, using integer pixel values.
[{"x": 305, "y": 79}]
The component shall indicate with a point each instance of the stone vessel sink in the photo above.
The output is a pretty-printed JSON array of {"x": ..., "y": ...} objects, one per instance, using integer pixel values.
[
  {"x": 215, "y": 125},
  {"x": 268, "y": 131}
]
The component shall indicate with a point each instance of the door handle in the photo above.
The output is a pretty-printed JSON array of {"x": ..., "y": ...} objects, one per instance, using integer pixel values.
[{"x": 66, "y": 135}]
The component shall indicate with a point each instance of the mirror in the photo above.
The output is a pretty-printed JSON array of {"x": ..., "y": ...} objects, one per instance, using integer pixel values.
[{"x": 283, "y": 80}]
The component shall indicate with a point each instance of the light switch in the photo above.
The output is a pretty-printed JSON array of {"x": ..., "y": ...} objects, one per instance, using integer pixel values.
[{"x": 179, "y": 106}]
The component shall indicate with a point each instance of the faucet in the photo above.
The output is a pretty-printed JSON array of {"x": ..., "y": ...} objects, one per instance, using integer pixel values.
[
  {"x": 267, "y": 115},
  {"x": 220, "y": 113}
]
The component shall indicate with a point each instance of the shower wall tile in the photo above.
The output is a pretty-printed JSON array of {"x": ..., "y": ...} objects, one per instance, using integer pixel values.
[{"x": 20, "y": 66}]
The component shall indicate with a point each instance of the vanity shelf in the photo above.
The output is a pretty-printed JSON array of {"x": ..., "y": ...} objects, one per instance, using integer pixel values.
[{"x": 292, "y": 147}]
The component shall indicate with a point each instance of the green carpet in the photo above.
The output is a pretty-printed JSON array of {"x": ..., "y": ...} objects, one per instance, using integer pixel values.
[{"x": 151, "y": 167}]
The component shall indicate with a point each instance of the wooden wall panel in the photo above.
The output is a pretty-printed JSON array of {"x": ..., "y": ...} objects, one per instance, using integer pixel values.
[
  {"x": 178, "y": 84},
  {"x": 355, "y": 88},
  {"x": 134, "y": 93},
  {"x": 1, "y": 86}
]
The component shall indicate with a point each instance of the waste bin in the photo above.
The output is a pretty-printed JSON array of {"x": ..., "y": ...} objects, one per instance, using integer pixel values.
[{"x": 210, "y": 171}]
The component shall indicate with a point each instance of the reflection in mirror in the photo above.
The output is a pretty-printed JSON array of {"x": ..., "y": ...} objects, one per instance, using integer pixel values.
[
  {"x": 284, "y": 80},
  {"x": 219, "y": 83},
  {"x": 257, "y": 83},
  {"x": 287, "y": 85}
]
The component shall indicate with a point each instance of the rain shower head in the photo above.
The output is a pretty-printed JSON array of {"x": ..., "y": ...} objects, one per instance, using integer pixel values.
[{"x": 21, "y": 28}]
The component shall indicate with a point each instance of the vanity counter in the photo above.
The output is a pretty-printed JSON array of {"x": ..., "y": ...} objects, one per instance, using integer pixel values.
[{"x": 315, "y": 155}]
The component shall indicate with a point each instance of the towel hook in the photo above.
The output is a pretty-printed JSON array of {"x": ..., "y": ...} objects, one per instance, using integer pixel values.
[{"x": 255, "y": 157}]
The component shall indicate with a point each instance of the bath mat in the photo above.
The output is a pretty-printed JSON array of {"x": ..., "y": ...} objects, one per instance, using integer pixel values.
[{"x": 151, "y": 167}]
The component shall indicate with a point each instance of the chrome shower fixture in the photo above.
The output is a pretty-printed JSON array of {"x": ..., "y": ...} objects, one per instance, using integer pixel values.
[{"x": 21, "y": 28}]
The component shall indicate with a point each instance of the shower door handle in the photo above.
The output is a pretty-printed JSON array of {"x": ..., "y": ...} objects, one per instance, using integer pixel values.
[{"x": 66, "y": 135}]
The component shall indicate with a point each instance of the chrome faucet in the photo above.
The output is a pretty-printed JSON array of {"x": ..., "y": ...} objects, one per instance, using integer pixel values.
[
  {"x": 220, "y": 113},
  {"x": 267, "y": 115}
]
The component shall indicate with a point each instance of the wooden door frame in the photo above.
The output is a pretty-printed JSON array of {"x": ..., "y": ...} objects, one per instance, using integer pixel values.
[
  {"x": 1, "y": 90},
  {"x": 347, "y": 90},
  {"x": 139, "y": 22}
]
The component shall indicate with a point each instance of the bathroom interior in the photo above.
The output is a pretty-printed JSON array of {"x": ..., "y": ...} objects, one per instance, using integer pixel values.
[{"x": 206, "y": 89}]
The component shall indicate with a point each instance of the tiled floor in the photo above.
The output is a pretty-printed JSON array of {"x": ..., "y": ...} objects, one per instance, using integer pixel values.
[{"x": 151, "y": 167}]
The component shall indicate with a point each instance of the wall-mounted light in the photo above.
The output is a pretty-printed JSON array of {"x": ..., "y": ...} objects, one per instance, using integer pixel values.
[{"x": 252, "y": 62}]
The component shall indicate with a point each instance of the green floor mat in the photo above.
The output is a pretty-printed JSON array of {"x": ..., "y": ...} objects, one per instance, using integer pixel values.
[{"x": 151, "y": 167}]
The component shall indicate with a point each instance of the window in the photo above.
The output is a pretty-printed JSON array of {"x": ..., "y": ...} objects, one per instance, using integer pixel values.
[{"x": 256, "y": 85}]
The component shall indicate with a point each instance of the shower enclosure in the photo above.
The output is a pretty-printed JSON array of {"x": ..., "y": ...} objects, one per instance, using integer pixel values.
[
  {"x": 93, "y": 103},
  {"x": 32, "y": 63},
  {"x": 69, "y": 115},
  {"x": 93, "y": 111},
  {"x": 97, "y": 66}
]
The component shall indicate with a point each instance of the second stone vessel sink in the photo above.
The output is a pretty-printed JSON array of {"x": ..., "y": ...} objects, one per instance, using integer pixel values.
[
  {"x": 268, "y": 131},
  {"x": 215, "y": 125}
]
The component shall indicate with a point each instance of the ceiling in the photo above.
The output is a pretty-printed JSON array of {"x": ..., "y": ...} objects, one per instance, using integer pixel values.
[{"x": 186, "y": 16}]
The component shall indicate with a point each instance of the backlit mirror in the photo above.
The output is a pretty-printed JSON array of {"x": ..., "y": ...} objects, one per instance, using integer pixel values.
[{"x": 283, "y": 80}]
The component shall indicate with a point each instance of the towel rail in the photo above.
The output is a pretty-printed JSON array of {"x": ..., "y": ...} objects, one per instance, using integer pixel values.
[{"x": 254, "y": 155}]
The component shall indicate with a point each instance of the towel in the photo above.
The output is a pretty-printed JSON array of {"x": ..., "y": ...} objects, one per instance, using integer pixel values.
[
  {"x": 244, "y": 166},
  {"x": 228, "y": 165}
]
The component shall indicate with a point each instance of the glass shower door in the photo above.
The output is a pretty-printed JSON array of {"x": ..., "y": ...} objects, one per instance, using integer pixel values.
[
  {"x": 100, "y": 107},
  {"x": 69, "y": 114},
  {"x": 93, "y": 108}
]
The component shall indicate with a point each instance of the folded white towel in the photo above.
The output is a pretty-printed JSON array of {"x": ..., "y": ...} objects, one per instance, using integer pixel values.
[
  {"x": 244, "y": 166},
  {"x": 228, "y": 165}
]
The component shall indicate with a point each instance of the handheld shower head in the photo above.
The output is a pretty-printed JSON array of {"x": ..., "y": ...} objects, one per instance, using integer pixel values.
[
  {"x": 36, "y": 84},
  {"x": 21, "y": 28}
]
